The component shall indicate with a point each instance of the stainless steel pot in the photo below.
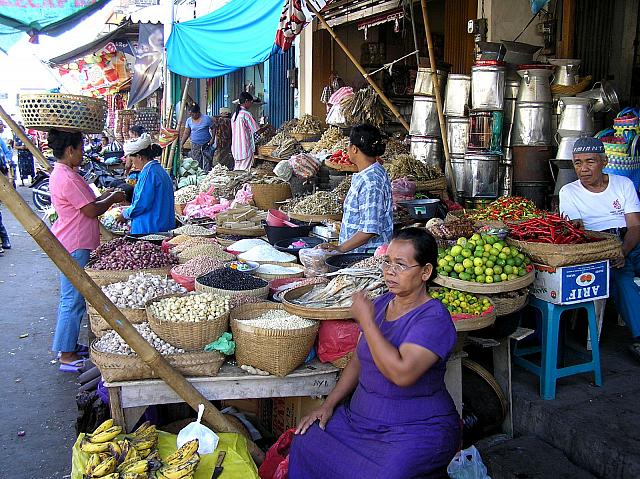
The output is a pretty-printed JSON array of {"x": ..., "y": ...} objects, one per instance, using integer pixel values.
[
  {"x": 481, "y": 175},
  {"x": 534, "y": 86},
  {"x": 485, "y": 131},
  {"x": 566, "y": 174},
  {"x": 604, "y": 95},
  {"x": 424, "y": 82},
  {"x": 566, "y": 72},
  {"x": 577, "y": 117},
  {"x": 565, "y": 148},
  {"x": 457, "y": 164},
  {"x": 424, "y": 117},
  {"x": 456, "y": 98},
  {"x": 511, "y": 89},
  {"x": 532, "y": 124},
  {"x": 457, "y": 134},
  {"x": 487, "y": 87},
  {"x": 427, "y": 149}
]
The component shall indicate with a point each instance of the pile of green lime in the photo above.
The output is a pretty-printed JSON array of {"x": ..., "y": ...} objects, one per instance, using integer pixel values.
[
  {"x": 459, "y": 302},
  {"x": 482, "y": 259}
]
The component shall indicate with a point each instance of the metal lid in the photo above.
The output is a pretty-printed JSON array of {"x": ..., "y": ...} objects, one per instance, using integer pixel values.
[
  {"x": 489, "y": 63},
  {"x": 485, "y": 156},
  {"x": 458, "y": 76}
]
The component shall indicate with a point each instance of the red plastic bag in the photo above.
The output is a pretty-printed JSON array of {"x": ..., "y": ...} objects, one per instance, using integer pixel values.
[
  {"x": 336, "y": 339},
  {"x": 276, "y": 454},
  {"x": 187, "y": 282},
  {"x": 283, "y": 469}
]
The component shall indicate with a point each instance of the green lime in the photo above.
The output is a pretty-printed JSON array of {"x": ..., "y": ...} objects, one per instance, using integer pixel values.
[
  {"x": 504, "y": 277},
  {"x": 508, "y": 269},
  {"x": 522, "y": 272},
  {"x": 456, "y": 250},
  {"x": 488, "y": 272},
  {"x": 494, "y": 252},
  {"x": 480, "y": 278},
  {"x": 511, "y": 261},
  {"x": 489, "y": 263},
  {"x": 458, "y": 268},
  {"x": 467, "y": 263},
  {"x": 466, "y": 253},
  {"x": 497, "y": 269},
  {"x": 500, "y": 262},
  {"x": 489, "y": 279},
  {"x": 496, "y": 278},
  {"x": 518, "y": 262},
  {"x": 448, "y": 269},
  {"x": 459, "y": 258},
  {"x": 462, "y": 241}
]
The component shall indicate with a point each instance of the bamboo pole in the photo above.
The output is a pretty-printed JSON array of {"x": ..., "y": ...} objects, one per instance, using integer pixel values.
[
  {"x": 167, "y": 124},
  {"x": 93, "y": 293},
  {"x": 183, "y": 104},
  {"x": 364, "y": 73},
  {"x": 443, "y": 128}
]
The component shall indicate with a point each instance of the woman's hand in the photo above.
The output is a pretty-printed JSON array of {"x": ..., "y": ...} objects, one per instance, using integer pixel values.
[
  {"x": 362, "y": 310},
  {"x": 322, "y": 415},
  {"x": 118, "y": 196}
]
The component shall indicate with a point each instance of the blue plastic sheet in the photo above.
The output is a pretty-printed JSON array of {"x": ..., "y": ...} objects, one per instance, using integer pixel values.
[{"x": 237, "y": 35}]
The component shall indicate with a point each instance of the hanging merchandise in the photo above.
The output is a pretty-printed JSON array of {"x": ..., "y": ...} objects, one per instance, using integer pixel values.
[
  {"x": 149, "y": 119},
  {"x": 147, "y": 76}
]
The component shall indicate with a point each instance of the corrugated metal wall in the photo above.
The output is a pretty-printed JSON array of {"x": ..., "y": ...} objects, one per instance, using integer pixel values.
[
  {"x": 593, "y": 35},
  {"x": 278, "y": 93},
  {"x": 458, "y": 44},
  {"x": 217, "y": 95}
]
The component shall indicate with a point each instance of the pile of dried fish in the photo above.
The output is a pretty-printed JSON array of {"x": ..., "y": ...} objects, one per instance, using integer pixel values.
[
  {"x": 278, "y": 139},
  {"x": 265, "y": 135},
  {"x": 268, "y": 180},
  {"x": 365, "y": 106},
  {"x": 263, "y": 169},
  {"x": 363, "y": 276},
  {"x": 287, "y": 149},
  {"x": 328, "y": 140},
  {"x": 308, "y": 125},
  {"x": 394, "y": 148},
  {"x": 225, "y": 183},
  {"x": 406, "y": 166},
  {"x": 320, "y": 203},
  {"x": 288, "y": 125},
  {"x": 343, "y": 188}
]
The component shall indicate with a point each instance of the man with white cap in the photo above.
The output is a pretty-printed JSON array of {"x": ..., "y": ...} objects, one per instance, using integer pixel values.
[{"x": 608, "y": 203}]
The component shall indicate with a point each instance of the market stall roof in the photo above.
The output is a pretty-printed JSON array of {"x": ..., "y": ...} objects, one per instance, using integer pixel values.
[{"x": 126, "y": 31}]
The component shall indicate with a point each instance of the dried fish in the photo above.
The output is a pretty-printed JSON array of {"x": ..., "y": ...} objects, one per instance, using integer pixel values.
[
  {"x": 307, "y": 124},
  {"x": 265, "y": 135},
  {"x": 287, "y": 149},
  {"x": 320, "y": 203},
  {"x": 406, "y": 166},
  {"x": 365, "y": 106},
  {"x": 329, "y": 139},
  {"x": 393, "y": 148}
]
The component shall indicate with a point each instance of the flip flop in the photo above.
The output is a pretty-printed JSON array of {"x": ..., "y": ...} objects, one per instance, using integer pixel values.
[{"x": 73, "y": 367}]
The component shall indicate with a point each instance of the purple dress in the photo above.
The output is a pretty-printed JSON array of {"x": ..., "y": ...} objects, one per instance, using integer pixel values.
[{"x": 387, "y": 431}]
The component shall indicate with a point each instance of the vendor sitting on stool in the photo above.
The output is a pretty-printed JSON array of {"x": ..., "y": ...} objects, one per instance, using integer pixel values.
[{"x": 608, "y": 203}]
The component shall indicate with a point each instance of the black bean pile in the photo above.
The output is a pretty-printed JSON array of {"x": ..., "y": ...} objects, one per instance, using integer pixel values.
[
  {"x": 121, "y": 255},
  {"x": 230, "y": 279},
  {"x": 233, "y": 238}
]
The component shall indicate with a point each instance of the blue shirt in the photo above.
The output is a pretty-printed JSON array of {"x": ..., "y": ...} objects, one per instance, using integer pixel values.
[
  {"x": 200, "y": 130},
  {"x": 152, "y": 208},
  {"x": 368, "y": 208},
  {"x": 6, "y": 154}
]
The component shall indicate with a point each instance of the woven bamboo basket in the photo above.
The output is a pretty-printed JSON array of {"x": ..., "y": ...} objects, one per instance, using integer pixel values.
[
  {"x": 273, "y": 350},
  {"x": 342, "y": 362},
  {"x": 305, "y": 136},
  {"x": 246, "y": 232},
  {"x": 265, "y": 150},
  {"x": 556, "y": 255},
  {"x": 188, "y": 336},
  {"x": 326, "y": 314},
  {"x": 262, "y": 292},
  {"x": 437, "y": 184},
  {"x": 271, "y": 277},
  {"x": 314, "y": 218},
  {"x": 99, "y": 325},
  {"x": 120, "y": 367},
  {"x": 505, "y": 306},
  {"x": 44, "y": 111},
  {"x": 484, "y": 288},
  {"x": 103, "y": 277},
  {"x": 474, "y": 322},
  {"x": 266, "y": 196}
]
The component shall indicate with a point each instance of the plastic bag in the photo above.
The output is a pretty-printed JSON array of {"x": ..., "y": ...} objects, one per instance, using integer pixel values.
[
  {"x": 336, "y": 339},
  {"x": 283, "y": 170},
  {"x": 304, "y": 165},
  {"x": 276, "y": 455},
  {"x": 208, "y": 440},
  {"x": 313, "y": 260},
  {"x": 223, "y": 344},
  {"x": 244, "y": 195},
  {"x": 467, "y": 464},
  {"x": 402, "y": 189}
]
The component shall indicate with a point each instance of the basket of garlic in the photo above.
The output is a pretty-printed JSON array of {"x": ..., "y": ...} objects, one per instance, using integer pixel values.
[
  {"x": 270, "y": 339},
  {"x": 189, "y": 321},
  {"x": 131, "y": 296},
  {"x": 118, "y": 362}
]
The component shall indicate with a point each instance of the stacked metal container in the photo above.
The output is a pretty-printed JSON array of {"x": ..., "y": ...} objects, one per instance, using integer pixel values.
[
  {"x": 456, "y": 109},
  {"x": 426, "y": 139}
]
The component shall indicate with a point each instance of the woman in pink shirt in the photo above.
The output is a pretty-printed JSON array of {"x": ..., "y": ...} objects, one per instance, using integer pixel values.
[
  {"x": 78, "y": 230},
  {"x": 243, "y": 127}
]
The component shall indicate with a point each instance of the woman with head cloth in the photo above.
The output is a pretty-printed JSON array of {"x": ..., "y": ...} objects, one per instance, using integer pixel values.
[
  {"x": 243, "y": 127},
  {"x": 152, "y": 207},
  {"x": 78, "y": 230},
  {"x": 390, "y": 415}
]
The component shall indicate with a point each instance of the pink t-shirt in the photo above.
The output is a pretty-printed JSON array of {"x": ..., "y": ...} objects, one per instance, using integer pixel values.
[{"x": 69, "y": 193}]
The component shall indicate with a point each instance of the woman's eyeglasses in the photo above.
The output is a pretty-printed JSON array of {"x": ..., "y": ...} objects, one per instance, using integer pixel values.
[{"x": 396, "y": 268}]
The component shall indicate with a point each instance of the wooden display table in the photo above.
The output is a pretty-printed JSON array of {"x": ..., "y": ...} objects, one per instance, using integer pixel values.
[{"x": 129, "y": 399}]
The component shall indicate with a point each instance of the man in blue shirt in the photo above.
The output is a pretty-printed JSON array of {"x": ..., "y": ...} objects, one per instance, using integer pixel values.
[
  {"x": 5, "y": 164},
  {"x": 198, "y": 128}
]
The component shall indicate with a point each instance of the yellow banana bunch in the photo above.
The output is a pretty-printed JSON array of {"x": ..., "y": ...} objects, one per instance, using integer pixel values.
[
  {"x": 90, "y": 447},
  {"x": 108, "y": 466},
  {"x": 147, "y": 443},
  {"x": 113, "y": 475},
  {"x": 128, "y": 453},
  {"x": 183, "y": 454},
  {"x": 159, "y": 475},
  {"x": 143, "y": 453},
  {"x": 102, "y": 427},
  {"x": 106, "y": 435},
  {"x": 180, "y": 471},
  {"x": 143, "y": 429},
  {"x": 92, "y": 462},
  {"x": 138, "y": 467}
]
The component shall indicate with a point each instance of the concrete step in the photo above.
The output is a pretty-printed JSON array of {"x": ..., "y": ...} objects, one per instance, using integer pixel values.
[{"x": 528, "y": 458}]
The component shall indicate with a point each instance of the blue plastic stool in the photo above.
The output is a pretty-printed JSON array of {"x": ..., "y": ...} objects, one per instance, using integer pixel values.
[{"x": 548, "y": 371}]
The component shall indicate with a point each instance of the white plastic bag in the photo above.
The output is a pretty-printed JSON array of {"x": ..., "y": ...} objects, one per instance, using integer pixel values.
[
  {"x": 467, "y": 464},
  {"x": 208, "y": 440}
]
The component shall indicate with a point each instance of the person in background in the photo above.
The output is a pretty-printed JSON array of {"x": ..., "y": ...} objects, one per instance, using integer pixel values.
[
  {"x": 6, "y": 159},
  {"x": 152, "y": 208},
  {"x": 198, "y": 128},
  {"x": 390, "y": 415},
  {"x": 222, "y": 139},
  {"x": 608, "y": 203},
  {"x": 243, "y": 127},
  {"x": 130, "y": 172},
  {"x": 78, "y": 230}
]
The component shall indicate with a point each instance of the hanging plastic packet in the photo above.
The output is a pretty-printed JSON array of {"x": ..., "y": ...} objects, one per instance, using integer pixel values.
[{"x": 208, "y": 440}]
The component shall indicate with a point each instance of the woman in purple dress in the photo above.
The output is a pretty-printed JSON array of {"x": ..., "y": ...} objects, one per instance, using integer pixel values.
[{"x": 400, "y": 421}]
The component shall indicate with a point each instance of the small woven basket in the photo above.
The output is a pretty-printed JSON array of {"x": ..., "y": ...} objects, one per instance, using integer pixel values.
[
  {"x": 266, "y": 196},
  {"x": 305, "y": 136},
  {"x": 44, "y": 111},
  {"x": 262, "y": 292},
  {"x": 265, "y": 150},
  {"x": 509, "y": 305},
  {"x": 99, "y": 325},
  {"x": 273, "y": 350},
  {"x": 103, "y": 277},
  {"x": 271, "y": 277},
  {"x": 437, "y": 184},
  {"x": 187, "y": 335},
  {"x": 120, "y": 367}
]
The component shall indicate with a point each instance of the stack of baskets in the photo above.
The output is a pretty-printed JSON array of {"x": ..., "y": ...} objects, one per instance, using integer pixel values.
[
  {"x": 267, "y": 196},
  {"x": 125, "y": 119},
  {"x": 261, "y": 292},
  {"x": 623, "y": 148},
  {"x": 44, "y": 111},
  {"x": 149, "y": 118}
]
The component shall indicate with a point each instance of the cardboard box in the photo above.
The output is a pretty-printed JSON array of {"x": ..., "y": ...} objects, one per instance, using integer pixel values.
[
  {"x": 571, "y": 284},
  {"x": 287, "y": 412}
]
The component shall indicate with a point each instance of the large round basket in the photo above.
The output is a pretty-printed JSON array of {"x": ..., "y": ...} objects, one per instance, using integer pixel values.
[
  {"x": 311, "y": 313},
  {"x": 120, "y": 367},
  {"x": 246, "y": 232},
  {"x": 98, "y": 324},
  {"x": 265, "y": 196},
  {"x": 340, "y": 167},
  {"x": 44, "y": 111},
  {"x": 262, "y": 292},
  {"x": 187, "y": 335},
  {"x": 555, "y": 255},
  {"x": 483, "y": 288},
  {"x": 471, "y": 323},
  {"x": 276, "y": 351},
  {"x": 314, "y": 218},
  {"x": 437, "y": 184},
  {"x": 271, "y": 277},
  {"x": 511, "y": 302},
  {"x": 224, "y": 256},
  {"x": 103, "y": 277}
]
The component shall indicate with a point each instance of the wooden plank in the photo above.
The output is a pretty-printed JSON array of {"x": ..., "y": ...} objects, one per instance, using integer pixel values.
[
  {"x": 565, "y": 47},
  {"x": 115, "y": 405},
  {"x": 132, "y": 415},
  {"x": 502, "y": 373}
]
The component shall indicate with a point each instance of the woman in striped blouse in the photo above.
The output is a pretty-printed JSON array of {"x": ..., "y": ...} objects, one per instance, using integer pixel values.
[{"x": 243, "y": 127}]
